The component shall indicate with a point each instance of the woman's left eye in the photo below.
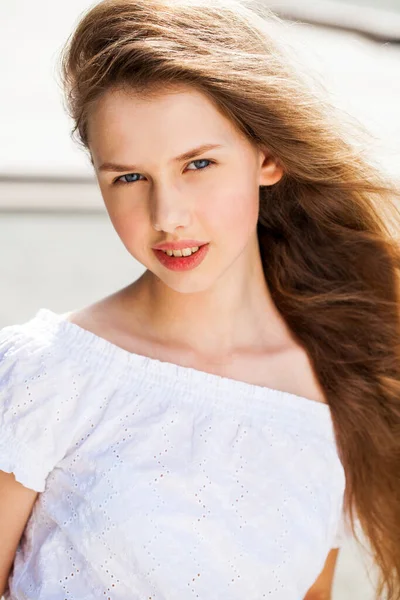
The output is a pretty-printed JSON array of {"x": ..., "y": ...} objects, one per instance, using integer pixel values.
[{"x": 201, "y": 160}]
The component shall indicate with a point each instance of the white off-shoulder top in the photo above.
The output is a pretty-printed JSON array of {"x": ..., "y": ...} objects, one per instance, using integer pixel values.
[{"x": 158, "y": 481}]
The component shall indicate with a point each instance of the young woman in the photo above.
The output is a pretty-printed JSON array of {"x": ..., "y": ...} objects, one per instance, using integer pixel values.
[{"x": 216, "y": 428}]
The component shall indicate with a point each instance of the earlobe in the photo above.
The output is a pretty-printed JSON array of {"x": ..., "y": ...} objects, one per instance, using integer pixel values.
[{"x": 271, "y": 171}]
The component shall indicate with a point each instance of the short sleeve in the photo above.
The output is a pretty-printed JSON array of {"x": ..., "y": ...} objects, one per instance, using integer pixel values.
[{"x": 37, "y": 406}]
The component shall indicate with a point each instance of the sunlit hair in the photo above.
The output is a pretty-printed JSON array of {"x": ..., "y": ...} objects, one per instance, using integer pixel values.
[{"x": 328, "y": 230}]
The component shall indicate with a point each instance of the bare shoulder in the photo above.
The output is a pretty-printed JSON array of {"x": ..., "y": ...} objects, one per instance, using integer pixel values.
[
  {"x": 91, "y": 318},
  {"x": 110, "y": 319},
  {"x": 87, "y": 315},
  {"x": 103, "y": 313},
  {"x": 101, "y": 318},
  {"x": 287, "y": 367},
  {"x": 298, "y": 371}
]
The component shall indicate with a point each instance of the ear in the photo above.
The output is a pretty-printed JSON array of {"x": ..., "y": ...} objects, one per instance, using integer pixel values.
[{"x": 271, "y": 171}]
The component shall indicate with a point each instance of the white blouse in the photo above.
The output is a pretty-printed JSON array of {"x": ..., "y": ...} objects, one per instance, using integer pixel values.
[{"x": 159, "y": 481}]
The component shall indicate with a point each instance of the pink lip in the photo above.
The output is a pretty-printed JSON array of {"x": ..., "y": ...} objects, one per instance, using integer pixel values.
[
  {"x": 182, "y": 263},
  {"x": 178, "y": 245}
]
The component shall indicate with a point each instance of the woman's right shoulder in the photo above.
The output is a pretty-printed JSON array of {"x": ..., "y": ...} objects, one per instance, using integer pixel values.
[
  {"x": 41, "y": 405},
  {"x": 31, "y": 341},
  {"x": 24, "y": 338},
  {"x": 37, "y": 360}
]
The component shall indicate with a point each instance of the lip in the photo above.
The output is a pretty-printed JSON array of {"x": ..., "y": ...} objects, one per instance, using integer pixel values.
[
  {"x": 183, "y": 263},
  {"x": 178, "y": 245}
]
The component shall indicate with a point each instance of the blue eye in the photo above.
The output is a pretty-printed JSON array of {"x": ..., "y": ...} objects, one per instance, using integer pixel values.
[
  {"x": 129, "y": 175},
  {"x": 119, "y": 179},
  {"x": 199, "y": 161}
]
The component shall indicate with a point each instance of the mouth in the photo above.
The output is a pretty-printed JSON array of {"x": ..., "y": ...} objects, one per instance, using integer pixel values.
[
  {"x": 183, "y": 252},
  {"x": 180, "y": 245},
  {"x": 180, "y": 261}
]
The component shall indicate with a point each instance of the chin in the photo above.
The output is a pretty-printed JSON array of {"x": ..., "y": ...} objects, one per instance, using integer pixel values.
[{"x": 185, "y": 283}]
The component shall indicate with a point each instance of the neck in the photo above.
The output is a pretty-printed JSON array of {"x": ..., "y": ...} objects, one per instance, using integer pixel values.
[{"x": 233, "y": 315}]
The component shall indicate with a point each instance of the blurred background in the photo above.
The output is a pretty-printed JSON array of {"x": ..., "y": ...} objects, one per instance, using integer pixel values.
[{"x": 58, "y": 249}]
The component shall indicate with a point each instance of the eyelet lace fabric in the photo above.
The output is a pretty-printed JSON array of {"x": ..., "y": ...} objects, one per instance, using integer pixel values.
[{"x": 158, "y": 481}]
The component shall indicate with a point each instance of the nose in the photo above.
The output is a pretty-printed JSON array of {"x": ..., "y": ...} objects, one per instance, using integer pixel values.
[{"x": 169, "y": 210}]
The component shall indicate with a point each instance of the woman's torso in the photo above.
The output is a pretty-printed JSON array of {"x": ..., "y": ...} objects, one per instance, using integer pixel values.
[{"x": 175, "y": 482}]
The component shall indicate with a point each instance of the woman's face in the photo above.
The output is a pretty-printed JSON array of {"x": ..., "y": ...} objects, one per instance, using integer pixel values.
[{"x": 211, "y": 197}]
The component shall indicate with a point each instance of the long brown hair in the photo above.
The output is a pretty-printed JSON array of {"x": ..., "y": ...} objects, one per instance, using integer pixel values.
[{"x": 328, "y": 230}]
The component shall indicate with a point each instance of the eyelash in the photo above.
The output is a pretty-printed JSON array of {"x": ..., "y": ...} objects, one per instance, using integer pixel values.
[{"x": 119, "y": 181}]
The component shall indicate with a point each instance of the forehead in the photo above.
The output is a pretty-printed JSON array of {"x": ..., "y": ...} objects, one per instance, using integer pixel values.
[
  {"x": 114, "y": 100},
  {"x": 129, "y": 117}
]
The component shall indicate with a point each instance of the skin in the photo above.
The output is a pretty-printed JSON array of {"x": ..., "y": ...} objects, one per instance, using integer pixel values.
[
  {"x": 322, "y": 587},
  {"x": 222, "y": 308}
]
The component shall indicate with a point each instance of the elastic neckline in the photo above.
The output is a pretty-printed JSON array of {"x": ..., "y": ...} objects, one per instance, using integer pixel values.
[{"x": 102, "y": 354}]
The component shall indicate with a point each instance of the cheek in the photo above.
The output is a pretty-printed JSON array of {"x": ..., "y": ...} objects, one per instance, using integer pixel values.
[
  {"x": 130, "y": 226},
  {"x": 236, "y": 210}
]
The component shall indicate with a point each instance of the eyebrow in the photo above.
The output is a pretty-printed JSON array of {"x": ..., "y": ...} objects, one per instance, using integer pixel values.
[{"x": 116, "y": 168}]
